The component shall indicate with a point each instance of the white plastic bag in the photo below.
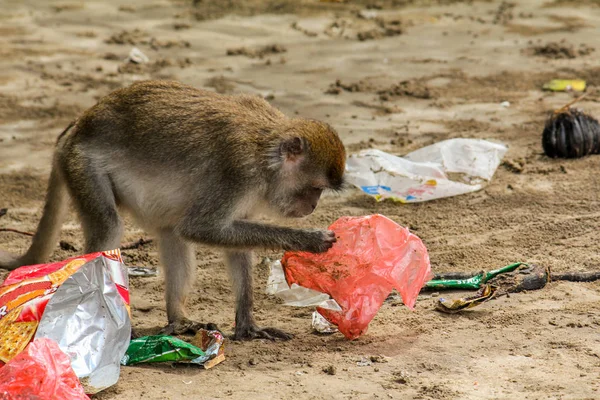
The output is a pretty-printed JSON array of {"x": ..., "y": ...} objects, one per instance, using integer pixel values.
[{"x": 448, "y": 168}]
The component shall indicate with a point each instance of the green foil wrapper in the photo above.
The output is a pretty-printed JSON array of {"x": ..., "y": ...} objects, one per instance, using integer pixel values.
[
  {"x": 160, "y": 348},
  {"x": 472, "y": 283}
]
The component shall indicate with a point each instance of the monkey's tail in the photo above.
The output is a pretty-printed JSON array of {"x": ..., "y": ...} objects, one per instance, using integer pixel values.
[{"x": 48, "y": 231}]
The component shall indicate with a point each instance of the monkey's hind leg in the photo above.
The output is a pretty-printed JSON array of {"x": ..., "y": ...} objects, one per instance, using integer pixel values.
[
  {"x": 240, "y": 269},
  {"x": 94, "y": 199},
  {"x": 178, "y": 260}
]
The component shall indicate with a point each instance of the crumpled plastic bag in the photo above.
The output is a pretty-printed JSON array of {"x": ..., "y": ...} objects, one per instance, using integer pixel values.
[
  {"x": 372, "y": 256},
  {"x": 41, "y": 372},
  {"x": 81, "y": 303},
  {"x": 448, "y": 168}
]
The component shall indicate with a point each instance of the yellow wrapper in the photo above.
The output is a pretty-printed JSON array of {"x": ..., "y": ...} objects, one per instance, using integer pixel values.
[{"x": 565, "y": 85}]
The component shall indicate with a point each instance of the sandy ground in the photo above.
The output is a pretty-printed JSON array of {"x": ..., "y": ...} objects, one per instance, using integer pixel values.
[{"x": 409, "y": 73}]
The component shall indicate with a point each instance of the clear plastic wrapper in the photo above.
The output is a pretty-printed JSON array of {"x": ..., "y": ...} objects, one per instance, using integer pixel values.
[
  {"x": 448, "y": 168},
  {"x": 321, "y": 325},
  {"x": 292, "y": 295}
]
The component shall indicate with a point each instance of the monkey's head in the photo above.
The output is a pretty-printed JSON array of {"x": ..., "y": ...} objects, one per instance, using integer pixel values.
[{"x": 307, "y": 159}]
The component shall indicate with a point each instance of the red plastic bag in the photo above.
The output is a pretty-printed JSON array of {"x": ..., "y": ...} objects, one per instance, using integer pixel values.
[
  {"x": 42, "y": 372},
  {"x": 372, "y": 256}
]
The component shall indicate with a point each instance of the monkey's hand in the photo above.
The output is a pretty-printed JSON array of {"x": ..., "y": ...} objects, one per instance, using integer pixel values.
[
  {"x": 185, "y": 325},
  {"x": 253, "y": 332},
  {"x": 316, "y": 241}
]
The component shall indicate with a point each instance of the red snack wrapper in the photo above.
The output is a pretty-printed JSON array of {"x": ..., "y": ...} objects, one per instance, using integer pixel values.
[
  {"x": 26, "y": 292},
  {"x": 372, "y": 256}
]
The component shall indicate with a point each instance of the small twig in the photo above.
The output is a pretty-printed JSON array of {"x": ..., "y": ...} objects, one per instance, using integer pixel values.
[
  {"x": 16, "y": 231},
  {"x": 137, "y": 244},
  {"x": 569, "y": 104},
  {"x": 576, "y": 276}
]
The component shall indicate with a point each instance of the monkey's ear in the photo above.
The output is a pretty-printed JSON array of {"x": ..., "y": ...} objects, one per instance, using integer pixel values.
[{"x": 292, "y": 149}]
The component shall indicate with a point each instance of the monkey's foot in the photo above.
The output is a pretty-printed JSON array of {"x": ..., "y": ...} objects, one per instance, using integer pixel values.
[
  {"x": 254, "y": 332},
  {"x": 185, "y": 325}
]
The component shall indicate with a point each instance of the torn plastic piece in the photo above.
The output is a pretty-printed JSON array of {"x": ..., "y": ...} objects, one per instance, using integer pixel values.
[
  {"x": 454, "y": 306},
  {"x": 41, "y": 372},
  {"x": 142, "y": 271},
  {"x": 211, "y": 343},
  {"x": 321, "y": 325},
  {"x": 364, "y": 362},
  {"x": 372, "y": 256},
  {"x": 160, "y": 348},
  {"x": 137, "y": 57},
  {"x": 448, "y": 168}
]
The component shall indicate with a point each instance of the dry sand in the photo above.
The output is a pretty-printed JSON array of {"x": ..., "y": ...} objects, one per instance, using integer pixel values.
[{"x": 416, "y": 73}]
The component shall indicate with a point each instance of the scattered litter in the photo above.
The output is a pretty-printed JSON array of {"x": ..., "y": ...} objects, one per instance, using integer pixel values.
[
  {"x": 448, "y": 168},
  {"x": 160, "y": 348},
  {"x": 513, "y": 278},
  {"x": 142, "y": 271},
  {"x": 321, "y": 325},
  {"x": 454, "y": 306},
  {"x": 473, "y": 282},
  {"x": 505, "y": 104},
  {"x": 41, "y": 372},
  {"x": 76, "y": 302},
  {"x": 372, "y": 256},
  {"x": 137, "y": 57},
  {"x": 571, "y": 133},
  {"x": 565, "y": 85},
  {"x": 364, "y": 362}
]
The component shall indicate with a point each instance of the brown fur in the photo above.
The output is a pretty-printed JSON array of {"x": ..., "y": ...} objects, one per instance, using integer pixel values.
[{"x": 191, "y": 166}]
